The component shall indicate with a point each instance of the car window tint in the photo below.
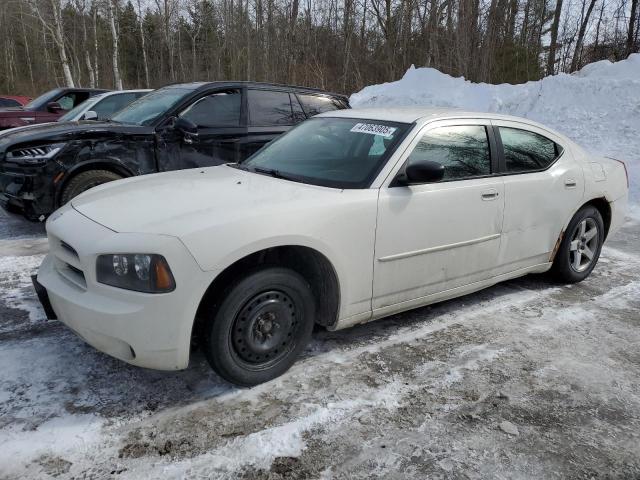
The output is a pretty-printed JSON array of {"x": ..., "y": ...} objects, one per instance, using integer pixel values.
[
  {"x": 462, "y": 149},
  {"x": 220, "y": 109},
  {"x": 315, "y": 104},
  {"x": 112, "y": 104},
  {"x": 526, "y": 151},
  {"x": 269, "y": 108}
]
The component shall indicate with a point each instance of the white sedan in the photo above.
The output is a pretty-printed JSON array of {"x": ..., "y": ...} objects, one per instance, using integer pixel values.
[{"x": 351, "y": 216}]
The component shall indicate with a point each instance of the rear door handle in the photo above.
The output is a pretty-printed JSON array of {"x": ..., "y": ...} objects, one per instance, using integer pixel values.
[
  {"x": 490, "y": 194},
  {"x": 570, "y": 183}
]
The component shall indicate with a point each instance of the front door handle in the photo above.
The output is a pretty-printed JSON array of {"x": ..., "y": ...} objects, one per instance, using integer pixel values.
[{"x": 491, "y": 194}]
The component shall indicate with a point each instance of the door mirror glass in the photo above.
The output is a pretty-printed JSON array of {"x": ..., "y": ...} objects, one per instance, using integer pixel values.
[
  {"x": 90, "y": 115},
  {"x": 186, "y": 126},
  {"x": 54, "y": 107},
  {"x": 423, "y": 171}
]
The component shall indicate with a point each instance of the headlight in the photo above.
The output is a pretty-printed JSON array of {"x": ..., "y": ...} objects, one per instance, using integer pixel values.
[
  {"x": 142, "y": 272},
  {"x": 34, "y": 155}
]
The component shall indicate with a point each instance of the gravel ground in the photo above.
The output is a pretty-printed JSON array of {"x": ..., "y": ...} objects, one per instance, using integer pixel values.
[{"x": 528, "y": 379}]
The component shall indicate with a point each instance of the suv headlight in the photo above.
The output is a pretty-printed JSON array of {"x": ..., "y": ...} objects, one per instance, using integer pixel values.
[
  {"x": 141, "y": 272},
  {"x": 34, "y": 155}
]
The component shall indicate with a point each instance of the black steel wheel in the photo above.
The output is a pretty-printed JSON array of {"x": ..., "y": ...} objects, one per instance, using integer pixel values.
[{"x": 259, "y": 326}]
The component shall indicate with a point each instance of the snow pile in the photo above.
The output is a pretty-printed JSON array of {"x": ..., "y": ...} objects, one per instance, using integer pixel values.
[{"x": 598, "y": 107}]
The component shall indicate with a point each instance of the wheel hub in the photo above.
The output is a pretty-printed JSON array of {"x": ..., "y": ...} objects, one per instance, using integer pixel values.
[
  {"x": 584, "y": 244},
  {"x": 263, "y": 329}
]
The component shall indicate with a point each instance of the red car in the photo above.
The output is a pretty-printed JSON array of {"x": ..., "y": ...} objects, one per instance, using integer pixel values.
[
  {"x": 48, "y": 107},
  {"x": 13, "y": 101}
]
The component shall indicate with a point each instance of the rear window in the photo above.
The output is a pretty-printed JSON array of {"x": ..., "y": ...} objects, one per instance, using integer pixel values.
[
  {"x": 526, "y": 151},
  {"x": 316, "y": 104}
]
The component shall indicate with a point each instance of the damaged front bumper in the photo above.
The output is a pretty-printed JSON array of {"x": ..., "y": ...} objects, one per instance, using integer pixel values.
[{"x": 29, "y": 190}]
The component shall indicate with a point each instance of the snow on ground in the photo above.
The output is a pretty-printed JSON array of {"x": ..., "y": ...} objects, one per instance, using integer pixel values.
[
  {"x": 598, "y": 107},
  {"x": 528, "y": 379}
]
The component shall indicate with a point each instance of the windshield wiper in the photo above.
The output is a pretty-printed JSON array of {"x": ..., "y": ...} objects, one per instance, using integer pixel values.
[{"x": 272, "y": 172}]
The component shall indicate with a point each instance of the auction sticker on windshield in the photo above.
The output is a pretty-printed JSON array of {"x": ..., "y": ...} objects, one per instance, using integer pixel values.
[{"x": 374, "y": 129}]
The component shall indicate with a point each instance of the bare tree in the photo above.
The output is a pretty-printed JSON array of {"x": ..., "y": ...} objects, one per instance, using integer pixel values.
[
  {"x": 551, "y": 58},
  {"x": 114, "y": 33},
  {"x": 580, "y": 40}
]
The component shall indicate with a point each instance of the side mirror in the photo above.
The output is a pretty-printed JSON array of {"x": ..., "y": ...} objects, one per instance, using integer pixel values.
[
  {"x": 54, "y": 107},
  {"x": 90, "y": 115},
  {"x": 422, "y": 171},
  {"x": 186, "y": 126}
]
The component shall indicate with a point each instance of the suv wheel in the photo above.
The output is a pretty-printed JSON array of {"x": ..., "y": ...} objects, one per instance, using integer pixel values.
[
  {"x": 84, "y": 181},
  {"x": 260, "y": 326}
]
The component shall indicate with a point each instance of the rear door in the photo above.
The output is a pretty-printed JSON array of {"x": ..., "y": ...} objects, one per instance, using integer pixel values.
[
  {"x": 543, "y": 184},
  {"x": 270, "y": 114}
]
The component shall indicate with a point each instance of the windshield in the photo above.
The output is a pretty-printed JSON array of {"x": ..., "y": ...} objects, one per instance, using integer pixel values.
[
  {"x": 74, "y": 112},
  {"x": 332, "y": 152},
  {"x": 147, "y": 109},
  {"x": 40, "y": 102}
]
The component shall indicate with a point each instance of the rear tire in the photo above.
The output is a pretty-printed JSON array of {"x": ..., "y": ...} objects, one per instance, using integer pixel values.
[
  {"x": 580, "y": 247},
  {"x": 259, "y": 327},
  {"x": 84, "y": 181}
]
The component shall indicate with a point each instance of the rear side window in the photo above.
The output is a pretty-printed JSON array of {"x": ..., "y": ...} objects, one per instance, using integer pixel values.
[
  {"x": 526, "y": 151},
  {"x": 112, "y": 104},
  {"x": 315, "y": 104},
  {"x": 462, "y": 149},
  {"x": 220, "y": 109},
  {"x": 268, "y": 108}
]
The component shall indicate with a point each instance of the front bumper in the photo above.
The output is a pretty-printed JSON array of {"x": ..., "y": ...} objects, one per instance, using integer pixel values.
[
  {"x": 147, "y": 330},
  {"x": 29, "y": 190}
]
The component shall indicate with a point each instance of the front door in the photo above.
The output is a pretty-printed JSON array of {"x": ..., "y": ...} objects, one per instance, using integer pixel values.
[
  {"x": 218, "y": 140},
  {"x": 438, "y": 236}
]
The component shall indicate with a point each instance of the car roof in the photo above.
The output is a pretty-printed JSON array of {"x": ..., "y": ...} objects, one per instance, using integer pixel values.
[
  {"x": 117, "y": 92},
  {"x": 419, "y": 114},
  {"x": 239, "y": 84}
]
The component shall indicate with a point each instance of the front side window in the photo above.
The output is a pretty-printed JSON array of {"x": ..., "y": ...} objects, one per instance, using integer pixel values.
[
  {"x": 316, "y": 104},
  {"x": 333, "y": 152},
  {"x": 268, "y": 108},
  {"x": 526, "y": 151},
  {"x": 220, "y": 109},
  {"x": 462, "y": 149},
  {"x": 68, "y": 101}
]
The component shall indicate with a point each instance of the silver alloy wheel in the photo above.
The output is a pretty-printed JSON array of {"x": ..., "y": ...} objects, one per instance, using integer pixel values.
[{"x": 584, "y": 244}]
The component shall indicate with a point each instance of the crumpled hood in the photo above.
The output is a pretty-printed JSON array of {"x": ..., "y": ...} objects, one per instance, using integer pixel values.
[
  {"x": 186, "y": 201},
  {"x": 63, "y": 131}
]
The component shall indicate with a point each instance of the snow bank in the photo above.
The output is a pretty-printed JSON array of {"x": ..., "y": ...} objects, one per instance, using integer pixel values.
[{"x": 598, "y": 107}]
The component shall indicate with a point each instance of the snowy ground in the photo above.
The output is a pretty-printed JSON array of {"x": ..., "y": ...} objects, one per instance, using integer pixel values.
[{"x": 527, "y": 379}]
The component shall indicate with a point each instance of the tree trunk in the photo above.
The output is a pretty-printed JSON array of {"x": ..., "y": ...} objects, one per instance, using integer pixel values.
[
  {"x": 583, "y": 28},
  {"x": 117, "y": 79},
  {"x": 551, "y": 59},
  {"x": 59, "y": 41},
  {"x": 632, "y": 21},
  {"x": 145, "y": 63}
]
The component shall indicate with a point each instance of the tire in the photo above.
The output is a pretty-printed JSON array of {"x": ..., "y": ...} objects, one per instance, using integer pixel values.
[
  {"x": 259, "y": 327},
  {"x": 84, "y": 181},
  {"x": 580, "y": 247}
]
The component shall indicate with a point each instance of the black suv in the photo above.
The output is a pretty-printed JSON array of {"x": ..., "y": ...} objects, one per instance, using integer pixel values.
[{"x": 179, "y": 126}]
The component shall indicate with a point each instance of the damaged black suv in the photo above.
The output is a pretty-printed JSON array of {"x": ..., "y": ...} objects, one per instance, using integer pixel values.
[{"x": 179, "y": 126}]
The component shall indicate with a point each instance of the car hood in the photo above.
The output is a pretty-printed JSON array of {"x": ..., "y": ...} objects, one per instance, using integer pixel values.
[
  {"x": 184, "y": 202},
  {"x": 62, "y": 131}
]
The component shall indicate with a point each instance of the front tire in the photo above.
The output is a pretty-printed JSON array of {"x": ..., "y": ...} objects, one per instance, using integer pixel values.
[
  {"x": 259, "y": 327},
  {"x": 84, "y": 181},
  {"x": 580, "y": 247}
]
